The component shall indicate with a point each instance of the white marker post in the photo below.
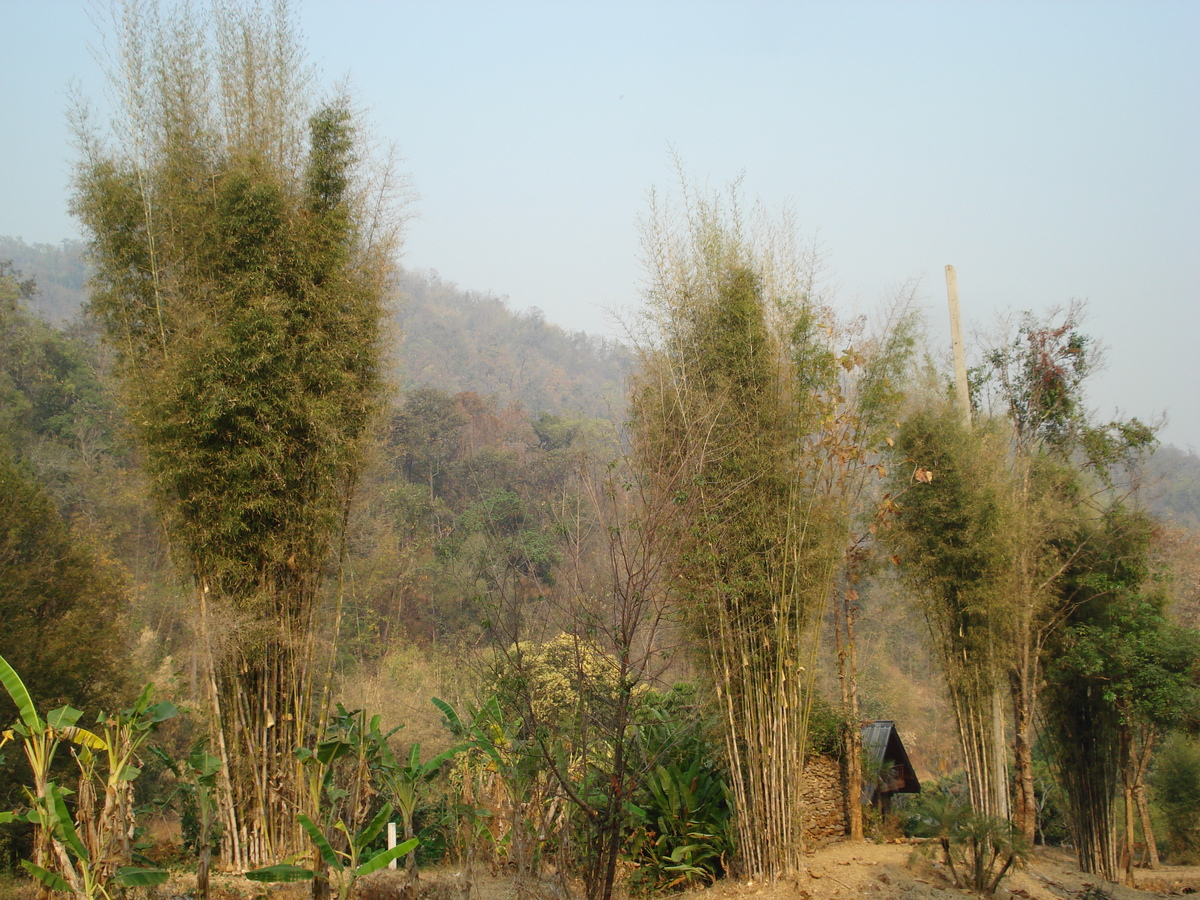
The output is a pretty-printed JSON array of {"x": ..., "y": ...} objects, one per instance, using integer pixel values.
[{"x": 392, "y": 842}]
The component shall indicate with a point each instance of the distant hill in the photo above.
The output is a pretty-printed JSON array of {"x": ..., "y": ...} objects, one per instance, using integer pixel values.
[
  {"x": 1172, "y": 489},
  {"x": 460, "y": 340},
  {"x": 446, "y": 337},
  {"x": 58, "y": 269}
]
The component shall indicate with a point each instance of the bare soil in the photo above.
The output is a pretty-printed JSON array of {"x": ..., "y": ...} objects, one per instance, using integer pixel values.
[
  {"x": 840, "y": 870},
  {"x": 893, "y": 870},
  {"x": 915, "y": 872}
]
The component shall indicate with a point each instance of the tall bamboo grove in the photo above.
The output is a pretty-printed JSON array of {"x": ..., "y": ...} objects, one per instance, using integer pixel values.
[
  {"x": 954, "y": 534},
  {"x": 238, "y": 275},
  {"x": 736, "y": 406}
]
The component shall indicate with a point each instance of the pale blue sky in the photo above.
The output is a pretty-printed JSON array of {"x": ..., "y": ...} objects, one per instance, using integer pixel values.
[{"x": 1048, "y": 150}]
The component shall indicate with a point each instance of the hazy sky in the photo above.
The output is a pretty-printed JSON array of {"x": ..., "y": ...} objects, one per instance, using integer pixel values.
[{"x": 1049, "y": 151}]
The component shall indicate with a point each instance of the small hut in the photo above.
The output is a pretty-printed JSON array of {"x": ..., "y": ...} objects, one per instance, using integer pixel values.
[{"x": 884, "y": 754}]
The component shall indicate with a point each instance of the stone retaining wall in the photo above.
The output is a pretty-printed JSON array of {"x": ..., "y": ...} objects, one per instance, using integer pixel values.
[{"x": 824, "y": 812}]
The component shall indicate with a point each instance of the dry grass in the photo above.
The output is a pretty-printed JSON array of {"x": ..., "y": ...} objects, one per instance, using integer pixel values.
[{"x": 399, "y": 687}]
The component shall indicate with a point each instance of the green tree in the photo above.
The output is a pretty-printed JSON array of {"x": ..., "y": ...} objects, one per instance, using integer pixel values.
[
  {"x": 63, "y": 608},
  {"x": 239, "y": 276},
  {"x": 64, "y": 613},
  {"x": 50, "y": 393},
  {"x": 1007, "y": 508},
  {"x": 1064, "y": 470},
  {"x": 1176, "y": 783},
  {"x": 1120, "y": 676}
]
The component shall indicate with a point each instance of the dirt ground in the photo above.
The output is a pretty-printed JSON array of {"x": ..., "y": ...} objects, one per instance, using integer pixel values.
[
  {"x": 900, "y": 870},
  {"x": 841, "y": 870},
  {"x": 903, "y": 870}
]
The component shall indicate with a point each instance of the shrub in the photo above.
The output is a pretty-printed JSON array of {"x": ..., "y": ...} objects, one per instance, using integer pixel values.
[
  {"x": 979, "y": 850},
  {"x": 1176, "y": 785},
  {"x": 682, "y": 832}
]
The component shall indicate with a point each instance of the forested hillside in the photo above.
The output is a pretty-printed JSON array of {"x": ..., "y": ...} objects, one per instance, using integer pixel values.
[
  {"x": 459, "y": 340},
  {"x": 1172, "y": 487},
  {"x": 60, "y": 273},
  {"x": 441, "y": 336}
]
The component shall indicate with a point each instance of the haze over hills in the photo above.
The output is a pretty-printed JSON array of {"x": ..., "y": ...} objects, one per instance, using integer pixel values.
[
  {"x": 445, "y": 337},
  {"x": 461, "y": 340},
  {"x": 60, "y": 272},
  {"x": 454, "y": 339}
]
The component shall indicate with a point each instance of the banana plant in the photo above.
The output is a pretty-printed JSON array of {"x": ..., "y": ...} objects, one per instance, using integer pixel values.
[
  {"x": 338, "y": 777},
  {"x": 495, "y": 756},
  {"x": 345, "y": 867},
  {"x": 197, "y": 775},
  {"x": 338, "y": 774},
  {"x": 402, "y": 783},
  {"x": 82, "y": 864}
]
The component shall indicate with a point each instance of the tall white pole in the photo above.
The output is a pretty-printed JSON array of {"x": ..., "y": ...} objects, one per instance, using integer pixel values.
[{"x": 956, "y": 340}]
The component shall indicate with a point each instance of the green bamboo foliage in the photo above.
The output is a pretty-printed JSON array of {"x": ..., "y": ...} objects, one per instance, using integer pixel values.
[
  {"x": 239, "y": 276},
  {"x": 952, "y": 533},
  {"x": 743, "y": 400}
]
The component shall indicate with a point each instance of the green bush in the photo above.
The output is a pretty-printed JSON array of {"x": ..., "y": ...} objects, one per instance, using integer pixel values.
[
  {"x": 682, "y": 834},
  {"x": 1175, "y": 781},
  {"x": 978, "y": 850},
  {"x": 681, "y": 813},
  {"x": 824, "y": 729}
]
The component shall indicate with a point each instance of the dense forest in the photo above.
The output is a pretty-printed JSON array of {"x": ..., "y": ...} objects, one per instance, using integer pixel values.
[{"x": 319, "y": 543}]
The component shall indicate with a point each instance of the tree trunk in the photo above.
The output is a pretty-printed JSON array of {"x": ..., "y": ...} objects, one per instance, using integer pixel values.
[
  {"x": 1143, "y": 756},
  {"x": 1147, "y": 828},
  {"x": 202, "y": 866},
  {"x": 1024, "y": 700},
  {"x": 320, "y": 884},
  {"x": 410, "y": 866},
  {"x": 851, "y": 727},
  {"x": 1126, "y": 758}
]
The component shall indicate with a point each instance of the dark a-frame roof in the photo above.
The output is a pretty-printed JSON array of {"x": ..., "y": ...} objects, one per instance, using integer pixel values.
[{"x": 881, "y": 743}]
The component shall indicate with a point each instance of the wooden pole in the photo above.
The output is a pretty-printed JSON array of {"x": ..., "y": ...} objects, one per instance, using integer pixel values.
[{"x": 960, "y": 354}]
